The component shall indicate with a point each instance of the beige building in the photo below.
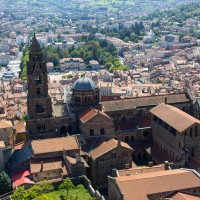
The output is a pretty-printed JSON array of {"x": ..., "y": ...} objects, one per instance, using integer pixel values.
[{"x": 72, "y": 63}]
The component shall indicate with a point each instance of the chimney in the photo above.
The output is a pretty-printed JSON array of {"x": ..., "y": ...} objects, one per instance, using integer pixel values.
[
  {"x": 41, "y": 166},
  {"x": 150, "y": 164},
  {"x": 165, "y": 100},
  {"x": 166, "y": 165}
]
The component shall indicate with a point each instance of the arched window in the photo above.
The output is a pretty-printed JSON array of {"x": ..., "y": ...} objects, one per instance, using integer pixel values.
[
  {"x": 41, "y": 127},
  {"x": 37, "y": 80},
  {"x": 38, "y": 91},
  {"x": 91, "y": 132},
  {"x": 146, "y": 134},
  {"x": 123, "y": 118},
  {"x": 39, "y": 108},
  {"x": 126, "y": 139},
  {"x": 133, "y": 138},
  {"x": 102, "y": 131}
]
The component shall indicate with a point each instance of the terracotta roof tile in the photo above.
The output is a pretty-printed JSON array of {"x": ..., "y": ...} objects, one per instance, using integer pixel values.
[
  {"x": 183, "y": 196},
  {"x": 141, "y": 170},
  {"x": 20, "y": 178},
  {"x": 46, "y": 164},
  {"x": 174, "y": 117},
  {"x": 5, "y": 124},
  {"x": 106, "y": 147},
  {"x": 54, "y": 145},
  {"x": 89, "y": 113},
  {"x": 137, "y": 187}
]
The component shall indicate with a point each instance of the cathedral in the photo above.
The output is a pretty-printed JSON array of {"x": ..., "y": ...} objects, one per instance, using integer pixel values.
[{"x": 128, "y": 120}]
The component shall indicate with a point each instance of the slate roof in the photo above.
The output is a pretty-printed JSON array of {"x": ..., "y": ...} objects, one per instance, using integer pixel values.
[{"x": 84, "y": 83}]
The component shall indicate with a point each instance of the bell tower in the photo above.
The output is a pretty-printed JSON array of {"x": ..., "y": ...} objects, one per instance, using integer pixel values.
[{"x": 40, "y": 121}]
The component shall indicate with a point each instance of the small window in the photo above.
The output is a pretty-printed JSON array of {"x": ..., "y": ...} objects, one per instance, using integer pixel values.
[
  {"x": 191, "y": 133},
  {"x": 39, "y": 108},
  {"x": 102, "y": 131},
  {"x": 101, "y": 160},
  {"x": 113, "y": 155},
  {"x": 37, "y": 80},
  {"x": 91, "y": 132},
  {"x": 155, "y": 118},
  {"x": 126, "y": 139},
  {"x": 146, "y": 134},
  {"x": 38, "y": 91}
]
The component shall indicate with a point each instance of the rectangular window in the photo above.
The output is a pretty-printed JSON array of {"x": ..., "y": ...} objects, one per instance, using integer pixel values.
[
  {"x": 113, "y": 155},
  {"x": 160, "y": 122},
  {"x": 166, "y": 126},
  {"x": 101, "y": 160}
]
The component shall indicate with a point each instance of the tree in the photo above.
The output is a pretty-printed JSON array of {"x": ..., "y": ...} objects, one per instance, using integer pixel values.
[
  {"x": 19, "y": 193},
  {"x": 5, "y": 183},
  {"x": 126, "y": 39},
  {"x": 46, "y": 187},
  {"x": 67, "y": 184},
  {"x": 133, "y": 37}
]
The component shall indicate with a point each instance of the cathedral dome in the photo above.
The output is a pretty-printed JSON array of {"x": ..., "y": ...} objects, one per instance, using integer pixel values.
[{"x": 84, "y": 83}]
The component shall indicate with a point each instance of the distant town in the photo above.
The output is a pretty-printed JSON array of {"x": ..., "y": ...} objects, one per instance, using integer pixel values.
[{"x": 100, "y": 100}]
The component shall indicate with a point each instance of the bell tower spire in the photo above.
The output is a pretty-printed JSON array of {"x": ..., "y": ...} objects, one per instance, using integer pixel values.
[{"x": 40, "y": 121}]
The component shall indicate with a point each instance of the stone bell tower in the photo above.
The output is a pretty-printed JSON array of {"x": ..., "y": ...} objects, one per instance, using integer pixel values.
[{"x": 40, "y": 121}]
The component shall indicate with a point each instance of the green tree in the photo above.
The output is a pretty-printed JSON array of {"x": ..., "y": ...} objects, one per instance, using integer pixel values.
[
  {"x": 69, "y": 76},
  {"x": 75, "y": 54},
  {"x": 46, "y": 187},
  {"x": 5, "y": 183},
  {"x": 19, "y": 193},
  {"x": 126, "y": 39},
  {"x": 66, "y": 184},
  {"x": 133, "y": 37}
]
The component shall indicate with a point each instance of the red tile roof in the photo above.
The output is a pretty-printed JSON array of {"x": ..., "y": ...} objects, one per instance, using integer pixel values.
[
  {"x": 20, "y": 178},
  {"x": 174, "y": 117},
  {"x": 54, "y": 145},
  {"x": 106, "y": 147},
  {"x": 138, "y": 187},
  {"x": 89, "y": 113}
]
